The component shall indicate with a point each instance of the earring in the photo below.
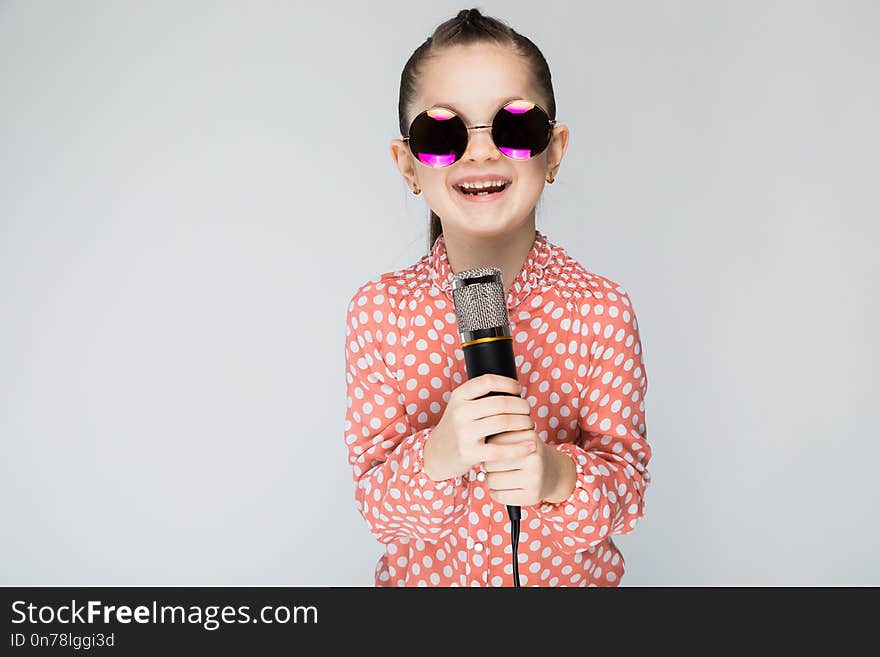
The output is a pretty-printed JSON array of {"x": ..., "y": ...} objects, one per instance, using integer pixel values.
[
  {"x": 416, "y": 190},
  {"x": 550, "y": 179}
]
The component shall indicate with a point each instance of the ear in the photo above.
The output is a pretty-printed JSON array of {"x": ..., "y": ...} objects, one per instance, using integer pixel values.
[
  {"x": 557, "y": 147},
  {"x": 403, "y": 159}
]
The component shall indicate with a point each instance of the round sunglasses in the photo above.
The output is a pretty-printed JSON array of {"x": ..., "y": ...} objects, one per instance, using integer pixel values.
[{"x": 521, "y": 130}]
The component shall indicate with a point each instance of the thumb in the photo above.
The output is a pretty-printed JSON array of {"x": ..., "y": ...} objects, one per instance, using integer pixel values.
[
  {"x": 521, "y": 449},
  {"x": 509, "y": 453}
]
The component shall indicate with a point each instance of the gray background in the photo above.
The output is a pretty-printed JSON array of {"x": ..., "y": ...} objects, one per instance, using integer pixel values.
[{"x": 185, "y": 216}]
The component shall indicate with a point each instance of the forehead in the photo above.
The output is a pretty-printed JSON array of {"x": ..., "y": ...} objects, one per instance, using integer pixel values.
[{"x": 474, "y": 80}]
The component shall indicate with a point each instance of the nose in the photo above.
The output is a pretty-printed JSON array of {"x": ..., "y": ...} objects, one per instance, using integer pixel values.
[{"x": 480, "y": 145}]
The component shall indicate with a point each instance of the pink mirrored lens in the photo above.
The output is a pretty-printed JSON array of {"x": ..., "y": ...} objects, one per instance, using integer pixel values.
[
  {"x": 434, "y": 137},
  {"x": 433, "y": 160},
  {"x": 519, "y": 106},
  {"x": 440, "y": 113},
  {"x": 516, "y": 153}
]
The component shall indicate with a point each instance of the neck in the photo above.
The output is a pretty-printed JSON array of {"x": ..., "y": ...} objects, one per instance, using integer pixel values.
[{"x": 507, "y": 252}]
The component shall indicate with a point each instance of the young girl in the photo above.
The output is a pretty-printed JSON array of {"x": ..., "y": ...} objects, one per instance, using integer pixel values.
[{"x": 477, "y": 117}]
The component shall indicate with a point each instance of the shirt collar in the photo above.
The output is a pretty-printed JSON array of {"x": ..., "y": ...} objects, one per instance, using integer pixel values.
[{"x": 528, "y": 279}]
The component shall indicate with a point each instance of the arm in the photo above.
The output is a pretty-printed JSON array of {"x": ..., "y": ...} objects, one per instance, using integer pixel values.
[
  {"x": 612, "y": 454},
  {"x": 393, "y": 493}
]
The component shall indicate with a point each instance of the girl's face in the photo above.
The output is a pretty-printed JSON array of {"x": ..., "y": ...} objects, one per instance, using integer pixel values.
[{"x": 475, "y": 81}]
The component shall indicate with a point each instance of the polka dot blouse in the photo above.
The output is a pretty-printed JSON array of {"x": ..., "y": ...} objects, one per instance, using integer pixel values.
[{"x": 579, "y": 358}]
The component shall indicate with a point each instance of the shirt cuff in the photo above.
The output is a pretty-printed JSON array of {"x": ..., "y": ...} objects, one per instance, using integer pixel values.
[
  {"x": 419, "y": 464},
  {"x": 580, "y": 460}
]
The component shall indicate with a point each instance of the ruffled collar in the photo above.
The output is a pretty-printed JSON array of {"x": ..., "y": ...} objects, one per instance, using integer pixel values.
[{"x": 528, "y": 279}]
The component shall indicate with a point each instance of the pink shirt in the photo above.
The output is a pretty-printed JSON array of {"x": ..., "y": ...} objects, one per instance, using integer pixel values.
[{"x": 579, "y": 358}]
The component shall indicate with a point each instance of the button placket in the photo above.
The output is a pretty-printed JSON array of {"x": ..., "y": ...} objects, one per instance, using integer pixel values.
[{"x": 478, "y": 529}]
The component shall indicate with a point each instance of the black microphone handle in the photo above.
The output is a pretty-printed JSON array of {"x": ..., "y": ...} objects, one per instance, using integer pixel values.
[{"x": 492, "y": 357}]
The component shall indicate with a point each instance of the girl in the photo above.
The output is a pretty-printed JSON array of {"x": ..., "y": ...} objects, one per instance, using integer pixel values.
[{"x": 477, "y": 117}]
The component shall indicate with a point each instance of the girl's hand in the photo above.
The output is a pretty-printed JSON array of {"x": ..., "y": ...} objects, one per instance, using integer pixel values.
[
  {"x": 458, "y": 442},
  {"x": 543, "y": 475}
]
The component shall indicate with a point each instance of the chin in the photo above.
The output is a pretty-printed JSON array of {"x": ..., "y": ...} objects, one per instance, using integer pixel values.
[{"x": 485, "y": 225}]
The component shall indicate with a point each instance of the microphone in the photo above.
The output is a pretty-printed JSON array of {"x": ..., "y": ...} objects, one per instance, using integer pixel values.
[{"x": 484, "y": 329}]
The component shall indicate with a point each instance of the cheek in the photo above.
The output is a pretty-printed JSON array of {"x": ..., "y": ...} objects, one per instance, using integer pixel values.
[
  {"x": 534, "y": 184},
  {"x": 436, "y": 187},
  {"x": 531, "y": 176},
  {"x": 529, "y": 188}
]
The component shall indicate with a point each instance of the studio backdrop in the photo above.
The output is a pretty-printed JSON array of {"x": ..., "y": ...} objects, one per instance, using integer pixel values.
[{"x": 186, "y": 208}]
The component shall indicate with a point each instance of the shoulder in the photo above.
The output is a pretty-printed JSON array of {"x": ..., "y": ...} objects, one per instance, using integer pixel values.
[
  {"x": 589, "y": 292},
  {"x": 388, "y": 291}
]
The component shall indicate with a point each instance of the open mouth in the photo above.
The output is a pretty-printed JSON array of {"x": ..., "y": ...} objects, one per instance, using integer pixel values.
[{"x": 484, "y": 195}]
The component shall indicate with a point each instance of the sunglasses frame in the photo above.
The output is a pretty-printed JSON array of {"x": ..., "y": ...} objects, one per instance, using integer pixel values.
[{"x": 550, "y": 122}]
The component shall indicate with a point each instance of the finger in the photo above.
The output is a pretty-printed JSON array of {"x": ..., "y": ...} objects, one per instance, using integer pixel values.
[
  {"x": 506, "y": 480},
  {"x": 516, "y": 497},
  {"x": 516, "y": 458},
  {"x": 486, "y": 383},
  {"x": 512, "y": 437},
  {"x": 494, "y": 454},
  {"x": 505, "y": 465},
  {"x": 497, "y": 405},
  {"x": 488, "y": 426}
]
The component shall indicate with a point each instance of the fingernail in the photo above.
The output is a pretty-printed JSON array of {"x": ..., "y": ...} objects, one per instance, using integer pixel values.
[{"x": 533, "y": 446}]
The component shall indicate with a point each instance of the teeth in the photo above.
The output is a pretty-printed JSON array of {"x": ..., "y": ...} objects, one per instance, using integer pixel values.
[{"x": 481, "y": 185}]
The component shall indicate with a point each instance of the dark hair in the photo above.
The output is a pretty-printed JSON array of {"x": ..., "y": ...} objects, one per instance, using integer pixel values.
[{"x": 468, "y": 27}]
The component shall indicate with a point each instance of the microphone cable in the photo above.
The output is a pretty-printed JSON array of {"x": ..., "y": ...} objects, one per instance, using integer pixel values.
[{"x": 513, "y": 513}]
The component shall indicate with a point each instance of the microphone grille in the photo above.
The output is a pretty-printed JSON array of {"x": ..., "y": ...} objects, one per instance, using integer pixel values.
[{"x": 478, "y": 296}]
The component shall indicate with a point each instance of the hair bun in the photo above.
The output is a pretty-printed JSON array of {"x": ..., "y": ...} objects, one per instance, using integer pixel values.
[{"x": 468, "y": 15}]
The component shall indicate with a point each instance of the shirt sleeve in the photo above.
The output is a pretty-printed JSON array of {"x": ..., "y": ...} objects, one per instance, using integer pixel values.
[
  {"x": 392, "y": 492},
  {"x": 612, "y": 453}
]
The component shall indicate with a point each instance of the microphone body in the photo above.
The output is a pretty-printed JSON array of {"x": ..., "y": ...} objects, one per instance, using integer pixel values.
[
  {"x": 492, "y": 357},
  {"x": 484, "y": 328},
  {"x": 495, "y": 357}
]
